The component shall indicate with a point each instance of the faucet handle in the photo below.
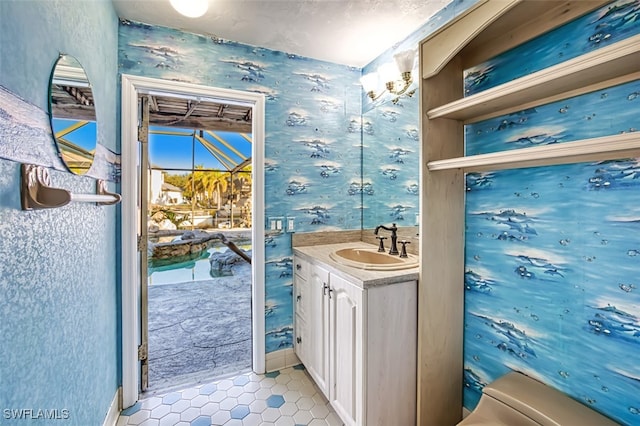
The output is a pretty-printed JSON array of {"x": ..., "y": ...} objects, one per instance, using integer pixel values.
[
  {"x": 381, "y": 246},
  {"x": 403, "y": 251}
]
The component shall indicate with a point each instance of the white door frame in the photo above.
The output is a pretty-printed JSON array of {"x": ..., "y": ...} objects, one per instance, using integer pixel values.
[{"x": 131, "y": 87}]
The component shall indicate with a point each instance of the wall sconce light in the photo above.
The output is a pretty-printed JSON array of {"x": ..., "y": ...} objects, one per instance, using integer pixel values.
[
  {"x": 190, "y": 8},
  {"x": 389, "y": 74}
]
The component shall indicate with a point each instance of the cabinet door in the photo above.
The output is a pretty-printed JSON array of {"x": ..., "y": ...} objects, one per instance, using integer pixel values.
[
  {"x": 301, "y": 301},
  {"x": 301, "y": 267},
  {"x": 302, "y": 343},
  {"x": 301, "y": 296},
  {"x": 318, "y": 326},
  {"x": 346, "y": 316}
]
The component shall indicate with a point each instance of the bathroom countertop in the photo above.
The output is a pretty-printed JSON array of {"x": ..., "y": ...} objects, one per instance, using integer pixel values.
[{"x": 319, "y": 254}]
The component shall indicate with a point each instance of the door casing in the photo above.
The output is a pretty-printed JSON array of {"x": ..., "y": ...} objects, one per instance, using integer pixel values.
[{"x": 131, "y": 87}]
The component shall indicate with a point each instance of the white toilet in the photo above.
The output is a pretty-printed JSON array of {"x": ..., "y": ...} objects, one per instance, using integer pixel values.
[{"x": 518, "y": 400}]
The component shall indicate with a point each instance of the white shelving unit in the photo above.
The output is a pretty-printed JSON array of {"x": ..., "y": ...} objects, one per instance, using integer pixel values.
[
  {"x": 484, "y": 31},
  {"x": 613, "y": 64},
  {"x": 596, "y": 149}
]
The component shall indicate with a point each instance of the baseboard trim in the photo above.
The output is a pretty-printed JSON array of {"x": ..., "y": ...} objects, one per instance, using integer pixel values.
[
  {"x": 281, "y": 359},
  {"x": 114, "y": 410},
  {"x": 465, "y": 412}
]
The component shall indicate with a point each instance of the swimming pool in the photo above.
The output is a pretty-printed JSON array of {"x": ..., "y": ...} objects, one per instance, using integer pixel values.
[{"x": 187, "y": 269}]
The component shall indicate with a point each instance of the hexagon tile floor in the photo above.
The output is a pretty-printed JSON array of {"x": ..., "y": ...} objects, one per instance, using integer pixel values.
[{"x": 283, "y": 398}]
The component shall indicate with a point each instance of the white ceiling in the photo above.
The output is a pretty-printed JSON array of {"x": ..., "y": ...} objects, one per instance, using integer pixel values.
[{"x": 350, "y": 32}]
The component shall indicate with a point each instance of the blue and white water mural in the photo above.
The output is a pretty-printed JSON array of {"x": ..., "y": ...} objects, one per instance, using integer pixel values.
[
  {"x": 391, "y": 164},
  {"x": 601, "y": 113},
  {"x": 614, "y": 22},
  {"x": 552, "y": 253},
  {"x": 551, "y": 279},
  {"x": 391, "y": 140},
  {"x": 313, "y": 137},
  {"x": 312, "y": 143},
  {"x": 59, "y": 283},
  {"x": 279, "y": 275},
  {"x": 27, "y": 137}
]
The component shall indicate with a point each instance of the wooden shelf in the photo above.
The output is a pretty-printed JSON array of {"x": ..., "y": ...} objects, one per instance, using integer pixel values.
[
  {"x": 611, "y": 62},
  {"x": 595, "y": 149}
]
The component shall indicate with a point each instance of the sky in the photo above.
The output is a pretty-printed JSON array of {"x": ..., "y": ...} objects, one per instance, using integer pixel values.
[
  {"x": 169, "y": 151},
  {"x": 84, "y": 137},
  {"x": 177, "y": 152}
]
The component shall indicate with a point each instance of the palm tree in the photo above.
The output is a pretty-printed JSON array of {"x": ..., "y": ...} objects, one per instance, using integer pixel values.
[
  {"x": 196, "y": 183},
  {"x": 220, "y": 184},
  {"x": 209, "y": 185}
]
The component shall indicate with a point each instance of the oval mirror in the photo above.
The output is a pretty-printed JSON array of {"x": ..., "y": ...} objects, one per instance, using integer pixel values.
[{"x": 73, "y": 115}]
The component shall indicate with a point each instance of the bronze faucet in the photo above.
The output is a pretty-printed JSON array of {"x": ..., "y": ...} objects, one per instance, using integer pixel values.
[{"x": 394, "y": 237}]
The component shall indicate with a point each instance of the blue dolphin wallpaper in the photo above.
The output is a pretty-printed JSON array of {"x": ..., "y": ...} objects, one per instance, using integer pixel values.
[
  {"x": 616, "y": 21},
  {"x": 312, "y": 143},
  {"x": 390, "y": 184},
  {"x": 552, "y": 253},
  {"x": 316, "y": 137},
  {"x": 391, "y": 164}
]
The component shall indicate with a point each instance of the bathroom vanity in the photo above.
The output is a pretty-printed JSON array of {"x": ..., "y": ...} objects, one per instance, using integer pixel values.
[{"x": 356, "y": 333}]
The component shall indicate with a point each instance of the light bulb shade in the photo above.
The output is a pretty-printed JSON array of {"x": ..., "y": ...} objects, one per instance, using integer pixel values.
[
  {"x": 190, "y": 8},
  {"x": 388, "y": 72},
  {"x": 405, "y": 60},
  {"x": 369, "y": 82}
]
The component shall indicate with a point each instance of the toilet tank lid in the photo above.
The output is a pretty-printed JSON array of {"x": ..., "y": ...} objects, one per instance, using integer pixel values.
[{"x": 542, "y": 403}]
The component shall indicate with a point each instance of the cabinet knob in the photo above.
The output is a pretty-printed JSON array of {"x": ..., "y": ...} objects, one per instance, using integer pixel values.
[
  {"x": 324, "y": 289},
  {"x": 298, "y": 266},
  {"x": 298, "y": 297},
  {"x": 298, "y": 340}
]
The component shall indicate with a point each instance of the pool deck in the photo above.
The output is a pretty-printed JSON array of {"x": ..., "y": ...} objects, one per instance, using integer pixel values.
[{"x": 199, "y": 329}]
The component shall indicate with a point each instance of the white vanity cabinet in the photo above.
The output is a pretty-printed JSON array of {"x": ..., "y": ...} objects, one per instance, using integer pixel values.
[
  {"x": 311, "y": 306},
  {"x": 346, "y": 342},
  {"x": 358, "y": 343},
  {"x": 318, "y": 325},
  {"x": 301, "y": 300}
]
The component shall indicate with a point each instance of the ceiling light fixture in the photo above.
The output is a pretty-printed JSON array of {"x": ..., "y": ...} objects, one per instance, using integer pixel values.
[
  {"x": 389, "y": 73},
  {"x": 190, "y": 8}
]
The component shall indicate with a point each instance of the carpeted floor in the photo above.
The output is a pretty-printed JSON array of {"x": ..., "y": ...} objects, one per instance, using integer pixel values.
[{"x": 199, "y": 329}]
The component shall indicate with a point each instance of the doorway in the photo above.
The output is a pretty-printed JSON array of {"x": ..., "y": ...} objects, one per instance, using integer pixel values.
[
  {"x": 133, "y": 315},
  {"x": 198, "y": 219}
]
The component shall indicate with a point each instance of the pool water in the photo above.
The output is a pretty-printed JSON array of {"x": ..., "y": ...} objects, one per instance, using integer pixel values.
[{"x": 188, "y": 270}]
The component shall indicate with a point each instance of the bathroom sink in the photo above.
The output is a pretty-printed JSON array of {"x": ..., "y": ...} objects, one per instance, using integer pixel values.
[{"x": 373, "y": 260}]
